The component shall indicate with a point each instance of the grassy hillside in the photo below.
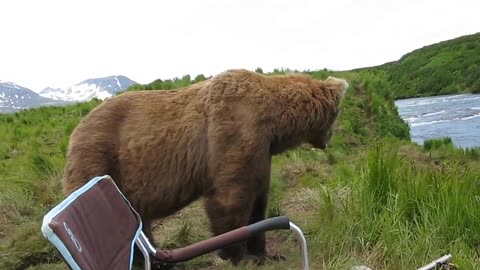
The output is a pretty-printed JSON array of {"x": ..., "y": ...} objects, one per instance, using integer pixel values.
[
  {"x": 447, "y": 67},
  {"x": 371, "y": 198}
]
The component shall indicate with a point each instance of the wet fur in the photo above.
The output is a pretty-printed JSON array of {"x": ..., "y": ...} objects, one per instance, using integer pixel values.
[{"x": 213, "y": 139}]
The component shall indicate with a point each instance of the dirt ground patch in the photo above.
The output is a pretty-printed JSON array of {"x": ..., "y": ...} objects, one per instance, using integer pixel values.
[{"x": 190, "y": 225}]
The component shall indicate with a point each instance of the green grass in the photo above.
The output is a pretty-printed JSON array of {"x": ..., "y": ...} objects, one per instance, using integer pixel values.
[
  {"x": 371, "y": 198},
  {"x": 32, "y": 151},
  {"x": 399, "y": 215}
]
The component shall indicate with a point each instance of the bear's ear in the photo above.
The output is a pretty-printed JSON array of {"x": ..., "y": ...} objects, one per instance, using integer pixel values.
[{"x": 339, "y": 86}]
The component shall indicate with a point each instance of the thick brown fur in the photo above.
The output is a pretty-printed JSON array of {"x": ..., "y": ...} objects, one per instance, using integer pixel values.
[{"x": 213, "y": 139}]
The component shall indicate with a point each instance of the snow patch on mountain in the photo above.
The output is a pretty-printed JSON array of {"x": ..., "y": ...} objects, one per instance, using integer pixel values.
[
  {"x": 77, "y": 92},
  {"x": 100, "y": 88},
  {"x": 14, "y": 97}
]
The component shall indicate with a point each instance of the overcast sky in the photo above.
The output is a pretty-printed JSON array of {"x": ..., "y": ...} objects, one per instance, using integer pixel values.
[{"x": 58, "y": 42}]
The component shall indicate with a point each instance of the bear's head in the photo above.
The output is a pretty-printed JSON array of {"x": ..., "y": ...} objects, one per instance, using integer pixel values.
[{"x": 333, "y": 92}]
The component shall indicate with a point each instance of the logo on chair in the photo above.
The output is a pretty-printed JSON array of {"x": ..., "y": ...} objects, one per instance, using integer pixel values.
[{"x": 74, "y": 239}]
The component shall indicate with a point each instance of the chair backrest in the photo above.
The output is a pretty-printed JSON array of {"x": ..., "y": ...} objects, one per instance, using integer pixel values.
[{"x": 95, "y": 227}]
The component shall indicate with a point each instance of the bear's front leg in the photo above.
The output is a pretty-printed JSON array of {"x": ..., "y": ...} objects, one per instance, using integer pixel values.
[
  {"x": 257, "y": 244},
  {"x": 229, "y": 208}
]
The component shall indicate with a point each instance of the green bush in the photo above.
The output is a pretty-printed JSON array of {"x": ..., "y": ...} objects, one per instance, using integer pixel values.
[{"x": 436, "y": 143}]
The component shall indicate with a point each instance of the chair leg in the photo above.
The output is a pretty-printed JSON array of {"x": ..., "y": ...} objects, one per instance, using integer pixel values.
[{"x": 146, "y": 254}]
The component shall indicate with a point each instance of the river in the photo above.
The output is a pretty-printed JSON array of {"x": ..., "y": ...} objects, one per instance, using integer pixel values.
[{"x": 455, "y": 116}]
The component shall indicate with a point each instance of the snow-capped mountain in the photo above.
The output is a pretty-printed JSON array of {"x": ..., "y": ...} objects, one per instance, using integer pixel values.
[
  {"x": 14, "y": 98},
  {"x": 100, "y": 88}
]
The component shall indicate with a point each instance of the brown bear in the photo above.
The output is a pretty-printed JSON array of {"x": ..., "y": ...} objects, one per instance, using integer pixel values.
[{"x": 213, "y": 139}]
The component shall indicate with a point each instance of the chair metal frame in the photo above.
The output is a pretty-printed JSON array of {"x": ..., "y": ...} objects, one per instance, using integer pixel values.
[
  {"x": 149, "y": 251},
  {"x": 94, "y": 212}
]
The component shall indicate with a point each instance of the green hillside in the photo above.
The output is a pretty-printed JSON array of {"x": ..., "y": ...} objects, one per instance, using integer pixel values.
[{"x": 447, "y": 67}]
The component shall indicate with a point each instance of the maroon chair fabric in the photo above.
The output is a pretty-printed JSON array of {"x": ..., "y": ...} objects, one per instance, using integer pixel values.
[{"x": 95, "y": 227}]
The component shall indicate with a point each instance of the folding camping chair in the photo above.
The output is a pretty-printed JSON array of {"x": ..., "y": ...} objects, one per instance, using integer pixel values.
[{"x": 96, "y": 227}]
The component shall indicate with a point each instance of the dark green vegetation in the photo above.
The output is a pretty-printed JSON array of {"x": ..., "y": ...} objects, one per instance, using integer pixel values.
[
  {"x": 447, "y": 67},
  {"x": 167, "y": 84},
  {"x": 371, "y": 198}
]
